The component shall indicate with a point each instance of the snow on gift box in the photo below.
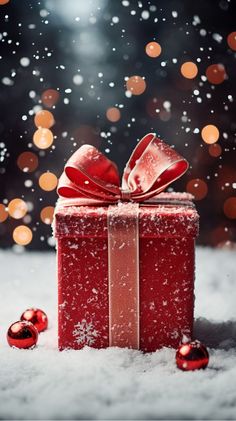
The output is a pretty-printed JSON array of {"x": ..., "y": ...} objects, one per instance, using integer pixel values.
[{"x": 125, "y": 255}]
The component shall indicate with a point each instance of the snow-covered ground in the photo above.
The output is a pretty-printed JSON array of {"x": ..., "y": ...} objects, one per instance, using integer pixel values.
[{"x": 116, "y": 383}]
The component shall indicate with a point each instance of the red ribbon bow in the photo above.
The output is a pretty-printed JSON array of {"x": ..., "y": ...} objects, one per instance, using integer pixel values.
[{"x": 153, "y": 165}]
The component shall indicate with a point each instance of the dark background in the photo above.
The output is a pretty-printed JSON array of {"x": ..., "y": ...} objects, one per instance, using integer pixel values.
[{"x": 60, "y": 46}]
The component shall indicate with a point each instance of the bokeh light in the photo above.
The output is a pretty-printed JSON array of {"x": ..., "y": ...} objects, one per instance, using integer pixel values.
[
  {"x": 44, "y": 119},
  {"x": 210, "y": 134},
  {"x": 46, "y": 214},
  {"x": 22, "y": 235},
  {"x": 113, "y": 114},
  {"x": 231, "y": 40},
  {"x": 17, "y": 208},
  {"x": 136, "y": 85},
  {"x": 189, "y": 70},
  {"x": 27, "y": 161},
  {"x": 50, "y": 97},
  {"x": 215, "y": 150},
  {"x": 216, "y": 73},
  {"x": 198, "y": 188},
  {"x": 230, "y": 207},
  {"x": 153, "y": 49},
  {"x": 2, "y": 2},
  {"x": 3, "y": 213},
  {"x": 43, "y": 138},
  {"x": 48, "y": 181}
]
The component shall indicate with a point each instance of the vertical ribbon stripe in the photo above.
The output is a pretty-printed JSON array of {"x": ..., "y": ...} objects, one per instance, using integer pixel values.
[{"x": 123, "y": 274}]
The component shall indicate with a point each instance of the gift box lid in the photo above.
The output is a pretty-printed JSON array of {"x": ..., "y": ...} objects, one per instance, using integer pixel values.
[{"x": 166, "y": 215}]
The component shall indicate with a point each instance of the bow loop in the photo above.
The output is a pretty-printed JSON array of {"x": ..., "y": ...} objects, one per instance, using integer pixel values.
[{"x": 153, "y": 165}]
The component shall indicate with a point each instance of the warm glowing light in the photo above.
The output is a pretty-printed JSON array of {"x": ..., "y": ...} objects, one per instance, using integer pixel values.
[
  {"x": 230, "y": 207},
  {"x": 3, "y": 213},
  {"x": 189, "y": 70},
  {"x": 22, "y": 235},
  {"x": 17, "y": 208},
  {"x": 44, "y": 119},
  {"x": 198, "y": 188},
  {"x": 46, "y": 215},
  {"x": 210, "y": 134},
  {"x": 153, "y": 49},
  {"x": 215, "y": 150},
  {"x": 185, "y": 350},
  {"x": 2, "y": 2},
  {"x": 43, "y": 138},
  {"x": 216, "y": 74},
  {"x": 50, "y": 97},
  {"x": 113, "y": 114},
  {"x": 136, "y": 85},
  {"x": 231, "y": 40},
  {"x": 27, "y": 161},
  {"x": 48, "y": 181}
]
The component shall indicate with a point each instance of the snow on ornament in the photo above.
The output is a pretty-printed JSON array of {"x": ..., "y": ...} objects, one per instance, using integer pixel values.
[{"x": 85, "y": 333}]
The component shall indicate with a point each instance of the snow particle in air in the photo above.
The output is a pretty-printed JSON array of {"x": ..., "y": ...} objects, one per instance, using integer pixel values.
[{"x": 78, "y": 79}]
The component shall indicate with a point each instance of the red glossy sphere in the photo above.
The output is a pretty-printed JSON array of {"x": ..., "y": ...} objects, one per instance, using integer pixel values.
[
  {"x": 37, "y": 317},
  {"x": 192, "y": 356},
  {"x": 22, "y": 335}
]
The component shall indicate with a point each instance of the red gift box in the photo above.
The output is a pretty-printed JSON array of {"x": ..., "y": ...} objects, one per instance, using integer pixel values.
[{"x": 125, "y": 269}]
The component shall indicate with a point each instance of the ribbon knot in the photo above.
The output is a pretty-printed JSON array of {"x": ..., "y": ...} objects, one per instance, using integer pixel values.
[
  {"x": 153, "y": 165},
  {"x": 125, "y": 195}
]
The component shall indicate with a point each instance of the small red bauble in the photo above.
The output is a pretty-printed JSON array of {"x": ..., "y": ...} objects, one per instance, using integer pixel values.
[
  {"x": 22, "y": 334},
  {"x": 37, "y": 317},
  {"x": 192, "y": 356}
]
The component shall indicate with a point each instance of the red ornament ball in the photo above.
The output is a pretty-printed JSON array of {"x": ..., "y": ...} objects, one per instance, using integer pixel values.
[
  {"x": 37, "y": 317},
  {"x": 192, "y": 356},
  {"x": 22, "y": 335}
]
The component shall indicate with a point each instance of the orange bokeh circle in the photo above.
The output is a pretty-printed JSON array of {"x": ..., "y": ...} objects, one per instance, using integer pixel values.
[
  {"x": 3, "y": 213},
  {"x": 210, "y": 134},
  {"x": 46, "y": 214},
  {"x": 17, "y": 208},
  {"x": 189, "y": 70},
  {"x": 113, "y": 114},
  {"x": 153, "y": 49},
  {"x": 22, "y": 235},
  {"x": 48, "y": 181},
  {"x": 43, "y": 138},
  {"x": 44, "y": 119},
  {"x": 136, "y": 85}
]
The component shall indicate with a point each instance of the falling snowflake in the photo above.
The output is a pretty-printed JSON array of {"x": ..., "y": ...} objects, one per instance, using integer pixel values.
[{"x": 85, "y": 333}]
